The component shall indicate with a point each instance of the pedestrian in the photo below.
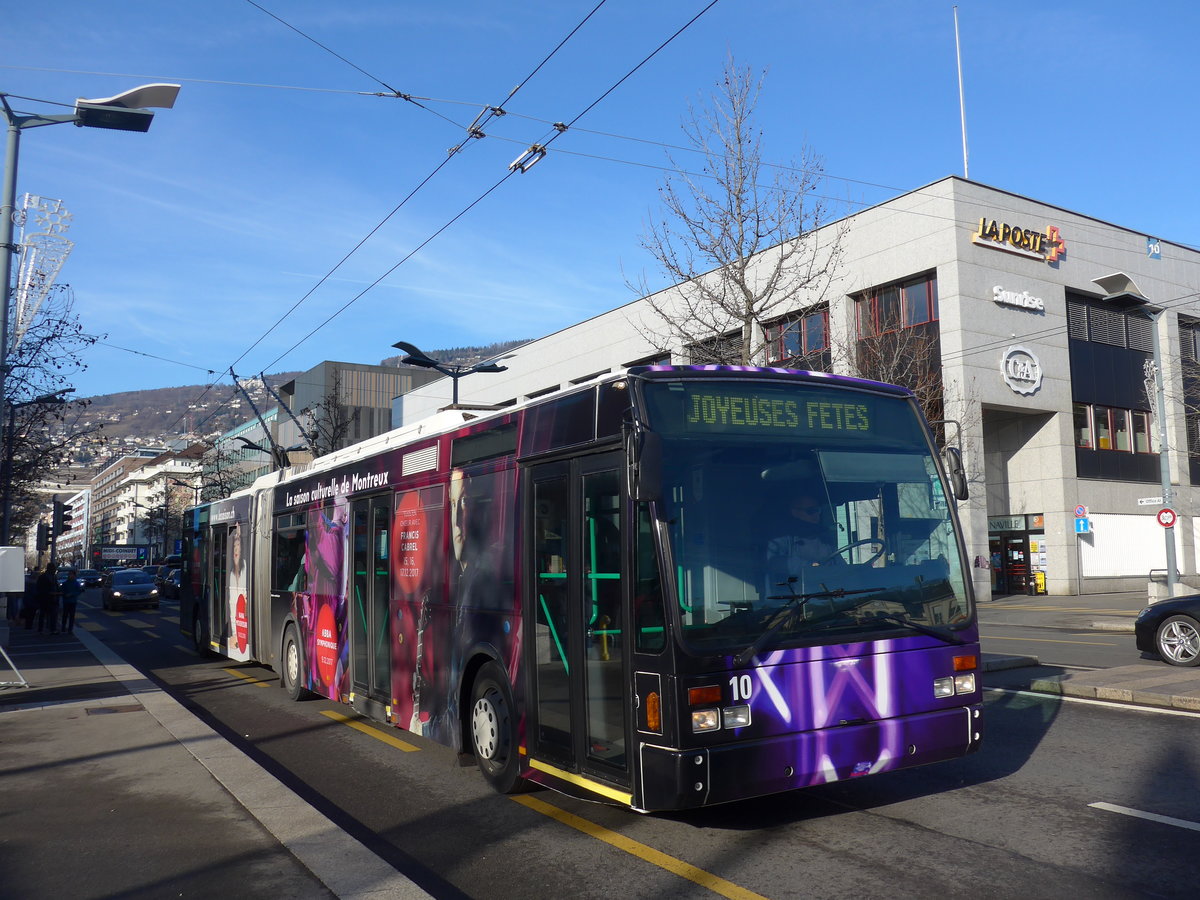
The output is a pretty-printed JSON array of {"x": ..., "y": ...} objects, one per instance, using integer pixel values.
[
  {"x": 47, "y": 594},
  {"x": 71, "y": 589},
  {"x": 29, "y": 600}
]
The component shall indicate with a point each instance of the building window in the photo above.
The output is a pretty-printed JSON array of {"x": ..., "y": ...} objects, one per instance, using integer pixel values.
[
  {"x": 797, "y": 336},
  {"x": 896, "y": 306},
  {"x": 1105, "y": 325},
  {"x": 1108, "y": 428},
  {"x": 1083, "y": 426}
]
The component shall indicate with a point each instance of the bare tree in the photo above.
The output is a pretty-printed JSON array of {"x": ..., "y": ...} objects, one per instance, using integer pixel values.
[
  {"x": 740, "y": 252},
  {"x": 222, "y": 472},
  {"x": 330, "y": 419},
  {"x": 45, "y": 436}
]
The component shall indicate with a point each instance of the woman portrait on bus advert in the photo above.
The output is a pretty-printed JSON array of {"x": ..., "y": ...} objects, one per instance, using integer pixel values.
[
  {"x": 324, "y": 559},
  {"x": 237, "y": 626}
]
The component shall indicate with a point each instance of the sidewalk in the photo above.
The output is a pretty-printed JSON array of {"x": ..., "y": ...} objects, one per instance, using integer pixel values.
[{"x": 112, "y": 788}]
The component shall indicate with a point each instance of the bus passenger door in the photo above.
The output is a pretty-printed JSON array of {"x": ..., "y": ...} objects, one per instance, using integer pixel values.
[
  {"x": 370, "y": 592},
  {"x": 218, "y": 590},
  {"x": 579, "y": 709}
]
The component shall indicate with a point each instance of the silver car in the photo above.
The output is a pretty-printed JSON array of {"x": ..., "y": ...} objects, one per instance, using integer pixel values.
[{"x": 130, "y": 587}]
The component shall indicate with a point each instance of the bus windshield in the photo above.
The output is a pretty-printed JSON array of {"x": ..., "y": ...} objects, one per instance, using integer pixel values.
[{"x": 800, "y": 514}]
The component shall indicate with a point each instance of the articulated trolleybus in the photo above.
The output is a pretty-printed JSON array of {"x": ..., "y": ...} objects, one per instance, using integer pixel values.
[{"x": 667, "y": 588}]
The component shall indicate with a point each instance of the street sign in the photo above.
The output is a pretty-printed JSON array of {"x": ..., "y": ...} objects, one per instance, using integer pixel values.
[
  {"x": 1083, "y": 525},
  {"x": 1150, "y": 501},
  {"x": 1166, "y": 517},
  {"x": 1081, "y": 512}
]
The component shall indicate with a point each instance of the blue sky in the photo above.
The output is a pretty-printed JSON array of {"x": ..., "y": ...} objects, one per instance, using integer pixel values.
[{"x": 194, "y": 239}]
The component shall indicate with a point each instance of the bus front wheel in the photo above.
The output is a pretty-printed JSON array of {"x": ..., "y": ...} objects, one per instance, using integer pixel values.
[
  {"x": 200, "y": 635},
  {"x": 494, "y": 730},
  {"x": 292, "y": 678}
]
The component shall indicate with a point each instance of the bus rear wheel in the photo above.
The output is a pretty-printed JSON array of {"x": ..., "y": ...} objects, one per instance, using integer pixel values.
[
  {"x": 292, "y": 678},
  {"x": 494, "y": 730},
  {"x": 200, "y": 635}
]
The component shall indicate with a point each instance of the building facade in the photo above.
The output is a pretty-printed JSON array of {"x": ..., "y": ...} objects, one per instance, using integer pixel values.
[{"x": 1043, "y": 364}]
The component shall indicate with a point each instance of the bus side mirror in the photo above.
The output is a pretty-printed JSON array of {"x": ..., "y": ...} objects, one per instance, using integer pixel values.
[
  {"x": 644, "y": 464},
  {"x": 957, "y": 473}
]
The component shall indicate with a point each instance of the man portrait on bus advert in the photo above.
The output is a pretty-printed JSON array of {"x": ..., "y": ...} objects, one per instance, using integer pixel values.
[{"x": 481, "y": 578}]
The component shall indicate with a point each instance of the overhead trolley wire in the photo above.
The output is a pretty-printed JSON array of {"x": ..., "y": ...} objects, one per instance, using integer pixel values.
[{"x": 559, "y": 130}]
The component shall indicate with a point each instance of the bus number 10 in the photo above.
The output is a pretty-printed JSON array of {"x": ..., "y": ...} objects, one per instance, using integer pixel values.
[{"x": 741, "y": 687}]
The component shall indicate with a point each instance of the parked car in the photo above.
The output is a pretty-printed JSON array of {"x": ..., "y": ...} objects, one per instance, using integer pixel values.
[
  {"x": 169, "y": 584},
  {"x": 130, "y": 587},
  {"x": 1171, "y": 629},
  {"x": 90, "y": 578}
]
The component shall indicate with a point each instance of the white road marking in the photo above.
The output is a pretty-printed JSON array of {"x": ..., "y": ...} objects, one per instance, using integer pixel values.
[
  {"x": 1111, "y": 704},
  {"x": 1152, "y": 817}
]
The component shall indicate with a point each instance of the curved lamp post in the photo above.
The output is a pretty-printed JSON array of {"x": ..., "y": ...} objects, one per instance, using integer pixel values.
[
  {"x": 123, "y": 112},
  {"x": 415, "y": 357}
]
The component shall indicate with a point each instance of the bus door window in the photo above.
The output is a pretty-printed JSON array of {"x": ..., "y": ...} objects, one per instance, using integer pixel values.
[
  {"x": 603, "y": 620},
  {"x": 370, "y": 589},
  {"x": 551, "y": 548},
  {"x": 218, "y": 597}
]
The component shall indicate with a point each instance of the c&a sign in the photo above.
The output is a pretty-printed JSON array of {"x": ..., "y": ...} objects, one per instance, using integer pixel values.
[{"x": 1045, "y": 245}]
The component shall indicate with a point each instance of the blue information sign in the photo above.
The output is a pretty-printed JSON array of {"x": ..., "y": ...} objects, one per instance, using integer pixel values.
[{"x": 1083, "y": 526}]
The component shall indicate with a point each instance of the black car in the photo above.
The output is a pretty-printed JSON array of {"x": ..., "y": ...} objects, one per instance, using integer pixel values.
[
  {"x": 90, "y": 578},
  {"x": 168, "y": 584},
  {"x": 130, "y": 587},
  {"x": 1171, "y": 629}
]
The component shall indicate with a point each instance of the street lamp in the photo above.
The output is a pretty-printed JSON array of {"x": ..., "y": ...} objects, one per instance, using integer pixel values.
[
  {"x": 123, "y": 112},
  {"x": 416, "y": 357},
  {"x": 1121, "y": 291},
  {"x": 52, "y": 399}
]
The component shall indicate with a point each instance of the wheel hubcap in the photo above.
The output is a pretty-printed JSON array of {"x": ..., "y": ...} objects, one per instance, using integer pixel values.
[
  {"x": 1181, "y": 642},
  {"x": 485, "y": 727},
  {"x": 293, "y": 663}
]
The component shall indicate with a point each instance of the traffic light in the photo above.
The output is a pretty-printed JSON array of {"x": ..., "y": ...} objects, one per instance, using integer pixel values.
[
  {"x": 62, "y": 518},
  {"x": 43, "y": 537}
]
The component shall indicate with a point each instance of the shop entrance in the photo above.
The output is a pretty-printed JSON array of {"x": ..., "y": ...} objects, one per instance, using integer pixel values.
[{"x": 1017, "y": 554}]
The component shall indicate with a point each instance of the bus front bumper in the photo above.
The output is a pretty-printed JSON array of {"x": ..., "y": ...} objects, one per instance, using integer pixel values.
[{"x": 684, "y": 779}]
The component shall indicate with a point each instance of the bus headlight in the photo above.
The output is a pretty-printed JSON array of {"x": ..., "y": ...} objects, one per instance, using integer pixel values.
[
  {"x": 954, "y": 684},
  {"x": 706, "y": 720},
  {"x": 736, "y": 716}
]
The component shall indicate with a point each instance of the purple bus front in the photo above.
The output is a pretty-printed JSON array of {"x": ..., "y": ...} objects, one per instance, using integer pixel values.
[{"x": 813, "y": 583}]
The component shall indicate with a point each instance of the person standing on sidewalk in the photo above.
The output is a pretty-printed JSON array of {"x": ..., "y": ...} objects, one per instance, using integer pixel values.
[
  {"x": 71, "y": 590},
  {"x": 47, "y": 594}
]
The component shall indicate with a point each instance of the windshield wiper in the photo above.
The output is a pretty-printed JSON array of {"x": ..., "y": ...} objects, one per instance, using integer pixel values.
[
  {"x": 783, "y": 615},
  {"x": 917, "y": 626}
]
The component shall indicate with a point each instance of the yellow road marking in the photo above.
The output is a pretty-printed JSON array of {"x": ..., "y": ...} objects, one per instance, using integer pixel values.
[
  {"x": 134, "y": 623},
  {"x": 678, "y": 867},
  {"x": 358, "y": 725},
  {"x": 248, "y": 678},
  {"x": 91, "y": 626},
  {"x": 174, "y": 620},
  {"x": 586, "y": 783},
  {"x": 1047, "y": 641}
]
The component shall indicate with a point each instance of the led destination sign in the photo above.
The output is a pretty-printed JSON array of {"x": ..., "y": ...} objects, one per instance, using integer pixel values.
[
  {"x": 730, "y": 411},
  {"x": 760, "y": 410}
]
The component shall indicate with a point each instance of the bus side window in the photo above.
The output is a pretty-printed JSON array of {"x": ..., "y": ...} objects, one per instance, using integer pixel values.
[
  {"x": 288, "y": 572},
  {"x": 648, "y": 613}
]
